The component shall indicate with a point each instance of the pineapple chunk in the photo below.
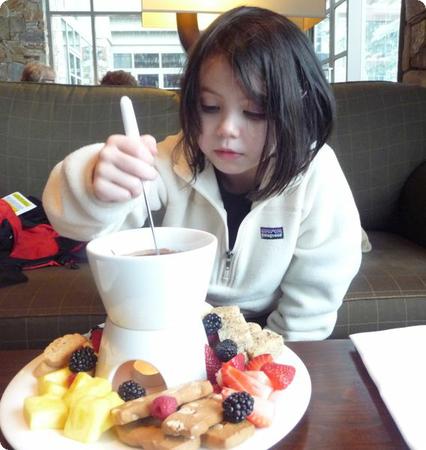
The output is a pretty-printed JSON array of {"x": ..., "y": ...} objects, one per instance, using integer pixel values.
[
  {"x": 114, "y": 400},
  {"x": 46, "y": 383},
  {"x": 86, "y": 385},
  {"x": 45, "y": 411},
  {"x": 89, "y": 417},
  {"x": 51, "y": 388}
]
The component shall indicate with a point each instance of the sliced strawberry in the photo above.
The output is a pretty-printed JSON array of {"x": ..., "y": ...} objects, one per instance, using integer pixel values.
[
  {"x": 257, "y": 362},
  {"x": 238, "y": 361},
  {"x": 219, "y": 380},
  {"x": 95, "y": 338},
  {"x": 238, "y": 380},
  {"x": 217, "y": 389},
  {"x": 70, "y": 378},
  {"x": 213, "y": 339},
  {"x": 226, "y": 392},
  {"x": 260, "y": 376},
  {"x": 281, "y": 375},
  {"x": 263, "y": 413},
  {"x": 213, "y": 364}
]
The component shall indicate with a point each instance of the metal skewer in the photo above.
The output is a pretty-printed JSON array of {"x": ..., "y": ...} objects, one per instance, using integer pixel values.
[{"x": 131, "y": 129}]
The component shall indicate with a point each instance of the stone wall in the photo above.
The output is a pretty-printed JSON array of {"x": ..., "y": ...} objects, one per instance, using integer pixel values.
[
  {"x": 22, "y": 36},
  {"x": 413, "y": 43}
]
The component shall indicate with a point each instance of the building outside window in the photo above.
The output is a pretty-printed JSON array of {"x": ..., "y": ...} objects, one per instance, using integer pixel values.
[
  {"x": 358, "y": 40},
  {"x": 89, "y": 37}
]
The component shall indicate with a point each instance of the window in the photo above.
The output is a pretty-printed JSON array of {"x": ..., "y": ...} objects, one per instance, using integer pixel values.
[
  {"x": 173, "y": 59},
  {"x": 148, "y": 80},
  {"x": 358, "y": 40},
  {"x": 72, "y": 50},
  {"x": 89, "y": 37},
  {"x": 122, "y": 60},
  {"x": 330, "y": 40},
  {"x": 171, "y": 80},
  {"x": 147, "y": 60}
]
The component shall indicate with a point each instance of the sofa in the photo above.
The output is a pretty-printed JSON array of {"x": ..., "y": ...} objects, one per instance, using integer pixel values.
[{"x": 379, "y": 138}]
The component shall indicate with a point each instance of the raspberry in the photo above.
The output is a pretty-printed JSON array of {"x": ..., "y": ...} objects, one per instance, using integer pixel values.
[
  {"x": 226, "y": 350},
  {"x": 83, "y": 360},
  {"x": 163, "y": 406},
  {"x": 130, "y": 390},
  {"x": 212, "y": 323},
  {"x": 237, "y": 407}
]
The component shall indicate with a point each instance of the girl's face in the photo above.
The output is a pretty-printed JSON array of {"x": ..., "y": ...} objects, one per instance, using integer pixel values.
[{"x": 233, "y": 127}]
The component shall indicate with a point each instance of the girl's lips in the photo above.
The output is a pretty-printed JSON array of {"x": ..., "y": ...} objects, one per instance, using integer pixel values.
[{"x": 226, "y": 153}]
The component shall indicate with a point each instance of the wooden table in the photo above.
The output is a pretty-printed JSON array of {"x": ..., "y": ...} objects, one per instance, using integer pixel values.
[{"x": 345, "y": 412}]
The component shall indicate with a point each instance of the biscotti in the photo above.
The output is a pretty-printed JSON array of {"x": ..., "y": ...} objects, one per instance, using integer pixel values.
[
  {"x": 194, "y": 418},
  {"x": 250, "y": 338},
  {"x": 58, "y": 353},
  {"x": 227, "y": 435},
  {"x": 140, "y": 407},
  {"x": 151, "y": 437}
]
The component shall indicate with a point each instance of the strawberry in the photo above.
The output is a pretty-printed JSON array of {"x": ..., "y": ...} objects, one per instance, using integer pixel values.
[
  {"x": 213, "y": 364},
  {"x": 263, "y": 412},
  {"x": 238, "y": 380},
  {"x": 226, "y": 392},
  {"x": 238, "y": 361},
  {"x": 95, "y": 338},
  {"x": 70, "y": 378},
  {"x": 260, "y": 376},
  {"x": 213, "y": 339},
  {"x": 258, "y": 361},
  {"x": 281, "y": 375},
  {"x": 217, "y": 389}
]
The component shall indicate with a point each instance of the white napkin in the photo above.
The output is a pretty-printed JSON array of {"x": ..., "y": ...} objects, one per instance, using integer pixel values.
[{"x": 396, "y": 361}]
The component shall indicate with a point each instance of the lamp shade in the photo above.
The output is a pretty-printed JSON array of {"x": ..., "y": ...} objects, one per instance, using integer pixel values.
[{"x": 296, "y": 8}]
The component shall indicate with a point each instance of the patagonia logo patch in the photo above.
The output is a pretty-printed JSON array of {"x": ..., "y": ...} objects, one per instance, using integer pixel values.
[{"x": 271, "y": 232}]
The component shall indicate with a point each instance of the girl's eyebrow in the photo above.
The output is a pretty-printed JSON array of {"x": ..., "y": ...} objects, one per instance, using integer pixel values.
[{"x": 208, "y": 90}]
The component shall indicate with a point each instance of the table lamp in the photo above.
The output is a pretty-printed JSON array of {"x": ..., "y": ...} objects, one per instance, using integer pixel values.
[{"x": 305, "y": 13}]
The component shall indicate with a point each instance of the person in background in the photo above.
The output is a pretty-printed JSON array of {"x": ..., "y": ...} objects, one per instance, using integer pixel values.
[
  {"x": 250, "y": 166},
  {"x": 38, "y": 72},
  {"x": 118, "y": 77}
]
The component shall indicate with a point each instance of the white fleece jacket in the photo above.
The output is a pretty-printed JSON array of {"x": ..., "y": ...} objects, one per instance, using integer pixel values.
[{"x": 295, "y": 254}]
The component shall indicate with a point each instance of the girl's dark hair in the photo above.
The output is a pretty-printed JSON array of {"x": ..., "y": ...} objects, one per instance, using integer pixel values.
[{"x": 264, "y": 46}]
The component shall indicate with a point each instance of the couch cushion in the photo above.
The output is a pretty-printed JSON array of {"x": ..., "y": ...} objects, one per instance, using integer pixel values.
[
  {"x": 42, "y": 123},
  {"x": 389, "y": 290},
  {"x": 379, "y": 138},
  {"x": 54, "y": 301}
]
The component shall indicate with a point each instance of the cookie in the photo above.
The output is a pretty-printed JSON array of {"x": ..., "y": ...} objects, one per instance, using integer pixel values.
[
  {"x": 139, "y": 408},
  {"x": 194, "y": 418},
  {"x": 227, "y": 435},
  {"x": 265, "y": 341},
  {"x": 236, "y": 329},
  {"x": 150, "y": 436},
  {"x": 58, "y": 353}
]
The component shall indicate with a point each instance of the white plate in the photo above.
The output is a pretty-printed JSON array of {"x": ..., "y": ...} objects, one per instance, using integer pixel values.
[{"x": 290, "y": 404}]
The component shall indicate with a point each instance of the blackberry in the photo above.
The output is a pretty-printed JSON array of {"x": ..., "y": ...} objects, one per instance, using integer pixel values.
[
  {"x": 129, "y": 390},
  {"x": 83, "y": 360},
  {"x": 226, "y": 349},
  {"x": 212, "y": 323},
  {"x": 237, "y": 407}
]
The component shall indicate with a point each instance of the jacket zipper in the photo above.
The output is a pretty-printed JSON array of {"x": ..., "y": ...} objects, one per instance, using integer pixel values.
[{"x": 227, "y": 272}]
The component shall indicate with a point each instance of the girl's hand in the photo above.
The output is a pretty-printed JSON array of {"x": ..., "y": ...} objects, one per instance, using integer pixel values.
[{"x": 123, "y": 164}]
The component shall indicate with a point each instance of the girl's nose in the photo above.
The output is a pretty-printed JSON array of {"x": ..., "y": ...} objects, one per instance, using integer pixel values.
[{"x": 228, "y": 127}]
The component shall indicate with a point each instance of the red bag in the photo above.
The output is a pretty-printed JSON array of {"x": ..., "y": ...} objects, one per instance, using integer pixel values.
[{"x": 37, "y": 245}]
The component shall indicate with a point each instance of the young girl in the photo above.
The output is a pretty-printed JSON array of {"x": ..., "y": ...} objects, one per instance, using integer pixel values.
[{"x": 251, "y": 166}]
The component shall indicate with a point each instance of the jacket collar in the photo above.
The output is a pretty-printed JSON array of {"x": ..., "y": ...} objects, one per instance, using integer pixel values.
[{"x": 205, "y": 183}]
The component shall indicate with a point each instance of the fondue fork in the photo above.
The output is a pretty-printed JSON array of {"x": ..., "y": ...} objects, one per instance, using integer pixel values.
[{"x": 131, "y": 129}]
